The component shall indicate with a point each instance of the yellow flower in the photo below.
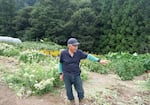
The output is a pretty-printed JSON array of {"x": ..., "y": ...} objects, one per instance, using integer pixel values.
[
  {"x": 54, "y": 53},
  {"x": 45, "y": 52},
  {"x": 49, "y": 52}
]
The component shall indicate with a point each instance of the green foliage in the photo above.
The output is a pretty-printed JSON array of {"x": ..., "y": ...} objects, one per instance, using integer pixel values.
[
  {"x": 30, "y": 56},
  {"x": 25, "y": 3},
  {"x": 45, "y": 20},
  {"x": 101, "y": 25},
  {"x": 22, "y": 23},
  {"x": 84, "y": 73},
  {"x": 34, "y": 78},
  {"x": 38, "y": 73},
  {"x": 32, "y": 51},
  {"x": 127, "y": 69},
  {"x": 147, "y": 64},
  {"x": 96, "y": 67},
  {"x": 7, "y": 14},
  {"x": 127, "y": 65},
  {"x": 79, "y": 21},
  {"x": 8, "y": 50},
  {"x": 39, "y": 45},
  {"x": 122, "y": 25}
]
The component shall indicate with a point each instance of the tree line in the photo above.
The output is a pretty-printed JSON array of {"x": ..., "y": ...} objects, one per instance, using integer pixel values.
[{"x": 101, "y": 26}]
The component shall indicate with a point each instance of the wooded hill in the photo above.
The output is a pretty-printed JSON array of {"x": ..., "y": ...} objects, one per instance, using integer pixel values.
[{"x": 100, "y": 25}]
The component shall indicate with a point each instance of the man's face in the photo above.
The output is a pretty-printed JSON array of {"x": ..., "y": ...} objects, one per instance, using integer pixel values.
[{"x": 73, "y": 48}]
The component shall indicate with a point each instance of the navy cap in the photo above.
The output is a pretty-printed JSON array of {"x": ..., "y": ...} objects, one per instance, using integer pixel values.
[{"x": 73, "y": 41}]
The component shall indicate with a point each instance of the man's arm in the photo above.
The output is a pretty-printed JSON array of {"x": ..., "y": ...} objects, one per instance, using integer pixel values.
[
  {"x": 60, "y": 68},
  {"x": 93, "y": 58}
]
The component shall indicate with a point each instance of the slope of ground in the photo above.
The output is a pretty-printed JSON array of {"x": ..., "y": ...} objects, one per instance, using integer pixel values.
[{"x": 99, "y": 90}]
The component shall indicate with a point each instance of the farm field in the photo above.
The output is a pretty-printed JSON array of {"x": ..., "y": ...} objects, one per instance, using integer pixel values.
[{"x": 29, "y": 76}]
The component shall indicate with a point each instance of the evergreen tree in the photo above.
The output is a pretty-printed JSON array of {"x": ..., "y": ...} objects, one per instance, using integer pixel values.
[{"x": 7, "y": 13}]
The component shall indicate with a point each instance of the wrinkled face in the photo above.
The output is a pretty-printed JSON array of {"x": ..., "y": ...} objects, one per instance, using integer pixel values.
[{"x": 73, "y": 48}]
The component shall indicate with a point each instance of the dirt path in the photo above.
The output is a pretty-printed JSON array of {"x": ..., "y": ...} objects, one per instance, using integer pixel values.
[
  {"x": 99, "y": 90},
  {"x": 8, "y": 97},
  {"x": 110, "y": 89}
]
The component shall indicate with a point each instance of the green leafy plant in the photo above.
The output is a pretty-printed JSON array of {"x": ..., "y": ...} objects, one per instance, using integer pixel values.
[
  {"x": 124, "y": 69},
  {"x": 147, "y": 64},
  {"x": 127, "y": 65},
  {"x": 31, "y": 56},
  {"x": 39, "y": 45},
  {"x": 34, "y": 78},
  {"x": 8, "y": 50},
  {"x": 96, "y": 67}
]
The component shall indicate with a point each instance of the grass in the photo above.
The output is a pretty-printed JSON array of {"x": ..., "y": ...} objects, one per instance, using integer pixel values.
[{"x": 39, "y": 46}]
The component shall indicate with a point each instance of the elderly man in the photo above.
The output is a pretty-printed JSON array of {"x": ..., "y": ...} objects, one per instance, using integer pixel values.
[{"x": 69, "y": 69}]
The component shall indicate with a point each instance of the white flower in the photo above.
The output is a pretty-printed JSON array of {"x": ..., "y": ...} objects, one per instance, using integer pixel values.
[
  {"x": 26, "y": 75},
  {"x": 48, "y": 81},
  {"x": 19, "y": 94},
  {"x": 135, "y": 54},
  {"x": 39, "y": 86},
  {"x": 29, "y": 92},
  {"x": 42, "y": 85},
  {"x": 52, "y": 79}
]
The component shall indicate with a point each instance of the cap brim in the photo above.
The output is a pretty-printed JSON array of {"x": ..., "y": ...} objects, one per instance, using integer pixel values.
[{"x": 75, "y": 43}]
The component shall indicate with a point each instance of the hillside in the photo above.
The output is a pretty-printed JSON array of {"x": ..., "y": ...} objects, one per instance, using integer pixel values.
[
  {"x": 24, "y": 67},
  {"x": 99, "y": 89}
]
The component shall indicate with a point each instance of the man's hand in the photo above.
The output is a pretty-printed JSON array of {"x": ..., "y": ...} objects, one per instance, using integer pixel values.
[
  {"x": 104, "y": 62},
  {"x": 61, "y": 77}
]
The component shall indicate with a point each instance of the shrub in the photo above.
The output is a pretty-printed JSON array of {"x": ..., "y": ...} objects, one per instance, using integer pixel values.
[
  {"x": 128, "y": 65},
  {"x": 124, "y": 69},
  {"x": 147, "y": 64},
  {"x": 96, "y": 67},
  {"x": 128, "y": 68}
]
